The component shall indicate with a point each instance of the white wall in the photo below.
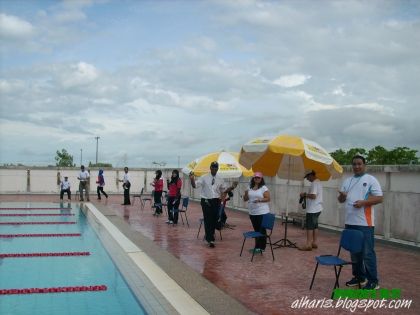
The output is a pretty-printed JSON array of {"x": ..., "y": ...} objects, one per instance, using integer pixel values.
[{"x": 398, "y": 217}]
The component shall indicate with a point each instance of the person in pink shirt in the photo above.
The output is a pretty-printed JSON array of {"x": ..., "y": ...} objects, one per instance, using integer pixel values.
[
  {"x": 174, "y": 197},
  {"x": 157, "y": 194}
]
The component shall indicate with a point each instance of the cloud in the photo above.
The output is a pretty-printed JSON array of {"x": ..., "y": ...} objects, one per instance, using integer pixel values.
[
  {"x": 13, "y": 27},
  {"x": 292, "y": 80},
  {"x": 81, "y": 74},
  {"x": 155, "y": 82}
]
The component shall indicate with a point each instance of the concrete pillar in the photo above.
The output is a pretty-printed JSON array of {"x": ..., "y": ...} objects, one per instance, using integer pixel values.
[
  {"x": 387, "y": 206},
  {"x": 28, "y": 180},
  {"x": 117, "y": 177}
]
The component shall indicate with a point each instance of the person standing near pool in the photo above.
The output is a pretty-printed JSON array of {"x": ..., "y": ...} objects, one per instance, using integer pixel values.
[{"x": 83, "y": 183}]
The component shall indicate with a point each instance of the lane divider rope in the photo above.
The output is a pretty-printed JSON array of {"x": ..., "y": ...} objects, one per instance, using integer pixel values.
[
  {"x": 34, "y": 214},
  {"x": 35, "y": 208},
  {"x": 54, "y": 289},
  {"x": 25, "y": 255},
  {"x": 35, "y": 223},
  {"x": 39, "y": 235}
]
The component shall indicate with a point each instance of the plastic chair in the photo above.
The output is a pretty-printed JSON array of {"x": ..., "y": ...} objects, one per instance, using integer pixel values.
[
  {"x": 165, "y": 197},
  {"x": 352, "y": 241},
  {"x": 268, "y": 224},
  {"x": 143, "y": 198},
  {"x": 183, "y": 210}
]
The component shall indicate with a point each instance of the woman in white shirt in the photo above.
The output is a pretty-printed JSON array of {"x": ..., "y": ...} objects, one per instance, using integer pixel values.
[{"x": 258, "y": 198}]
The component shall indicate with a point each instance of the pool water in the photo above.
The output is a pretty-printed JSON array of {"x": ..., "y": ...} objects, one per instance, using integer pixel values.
[{"x": 44, "y": 272}]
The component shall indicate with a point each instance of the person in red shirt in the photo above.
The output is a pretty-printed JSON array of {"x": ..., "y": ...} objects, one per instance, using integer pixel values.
[
  {"x": 174, "y": 197},
  {"x": 157, "y": 193}
]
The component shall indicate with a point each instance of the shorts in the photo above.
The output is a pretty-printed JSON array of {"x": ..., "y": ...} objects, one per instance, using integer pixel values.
[{"x": 312, "y": 220}]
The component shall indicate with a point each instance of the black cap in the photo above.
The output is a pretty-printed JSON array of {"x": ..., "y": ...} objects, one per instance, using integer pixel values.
[
  {"x": 214, "y": 164},
  {"x": 310, "y": 173}
]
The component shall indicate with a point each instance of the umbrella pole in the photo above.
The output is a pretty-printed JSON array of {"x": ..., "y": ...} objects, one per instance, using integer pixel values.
[{"x": 285, "y": 242}]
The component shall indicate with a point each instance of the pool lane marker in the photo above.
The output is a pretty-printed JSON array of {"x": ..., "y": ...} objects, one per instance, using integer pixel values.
[
  {"x": 34, "y": 214},
  {"x": 57, "y": 254},
  {"x": 40, "y": 235},
  {"x": 54, "y": 289},
  {"x": 35, "y": 209},
  {"x": 35, "y": 223}
]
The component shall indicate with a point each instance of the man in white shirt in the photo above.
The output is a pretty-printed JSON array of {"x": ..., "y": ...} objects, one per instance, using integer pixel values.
[
  {"x": 126, "y": 186},
  {"x": 213, "y": 189},
  {"x": 65, "y": 188},
  {"x": 360, "y": 193},
  {"x": 314, "y": 206},
  {"x": 84, "y": 183}
]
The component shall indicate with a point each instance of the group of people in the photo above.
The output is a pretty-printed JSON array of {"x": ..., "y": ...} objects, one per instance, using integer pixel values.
[
  {"x": 173, "y": 197},
  {"x": 359, "y": 193},
  {"x": 84, "y": 175}
]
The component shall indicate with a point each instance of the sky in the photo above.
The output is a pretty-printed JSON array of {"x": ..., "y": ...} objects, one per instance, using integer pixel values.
[{"x": 164, "y": 82}]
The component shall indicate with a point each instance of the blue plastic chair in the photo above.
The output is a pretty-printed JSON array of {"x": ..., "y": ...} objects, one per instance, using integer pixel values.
[
  {"x": 352, "y": 241},
  {"x": 268, "y": 224},
  {"x": 183, "y": 210}
]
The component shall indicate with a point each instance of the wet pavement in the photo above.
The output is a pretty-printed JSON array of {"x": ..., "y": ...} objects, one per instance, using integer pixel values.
[{"x": 263, "y": 286}]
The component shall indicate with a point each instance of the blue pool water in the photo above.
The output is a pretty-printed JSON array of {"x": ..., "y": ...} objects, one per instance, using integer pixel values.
[{"x": 42, "y": 272}]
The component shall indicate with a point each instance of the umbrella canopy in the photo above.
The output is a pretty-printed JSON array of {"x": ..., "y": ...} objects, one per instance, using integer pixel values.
[
  {"x": 289, "y": 157},
  {"x": 229, "y": 166}
]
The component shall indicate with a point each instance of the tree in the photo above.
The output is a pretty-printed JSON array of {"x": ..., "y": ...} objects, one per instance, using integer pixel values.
[
  {"x": 378, "y": 156},
  {"x": 64, "y": 159},
  {"x": 344, "y": 157}
]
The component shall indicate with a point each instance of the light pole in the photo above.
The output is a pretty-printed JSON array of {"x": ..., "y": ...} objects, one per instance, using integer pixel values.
[
  {"x": 81, "y": 156},
  {"x": 97, "y": 138}
]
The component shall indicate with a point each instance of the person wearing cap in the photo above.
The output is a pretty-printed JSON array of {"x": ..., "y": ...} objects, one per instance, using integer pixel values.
[
  {"x": 84, "y": 183},
  {"x": 314, "y": 206},
  {"x": 213, "y": 190},
  {"x": 258, "y": 197},
  {"x": 65, "y": 188}
]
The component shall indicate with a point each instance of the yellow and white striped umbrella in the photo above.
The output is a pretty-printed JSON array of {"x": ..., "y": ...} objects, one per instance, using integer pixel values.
[
  {"x": 289, "y": 157},
  {"x": 229, "y": 166}
]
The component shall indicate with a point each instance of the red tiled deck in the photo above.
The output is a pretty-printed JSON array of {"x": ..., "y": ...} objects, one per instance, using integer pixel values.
[{"x": 264, "y": 286}]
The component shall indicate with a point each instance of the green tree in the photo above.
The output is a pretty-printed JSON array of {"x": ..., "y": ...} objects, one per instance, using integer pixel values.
[
  {"x": 344, "y": 157},
  {"x": 64, "y": 159},
  {"x": 404, "y": 155},
  {"x": 378, "y": 156}
]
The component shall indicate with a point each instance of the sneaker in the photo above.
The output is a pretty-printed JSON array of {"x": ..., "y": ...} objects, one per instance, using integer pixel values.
[
  {"x": 371, "y": 286},
  {"x": 167, "y": 221},
  {"x": 314, "y": 246},
  {"x": 211, "y": 245},
  {"x": 355, "y": 282}
]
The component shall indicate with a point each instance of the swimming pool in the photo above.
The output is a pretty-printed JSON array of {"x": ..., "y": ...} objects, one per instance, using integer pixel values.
[{"x": 96, "y": 269}]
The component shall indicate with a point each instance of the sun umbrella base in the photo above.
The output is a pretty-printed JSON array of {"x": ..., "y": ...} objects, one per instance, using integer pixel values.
[{"x": 284, "y": 242}]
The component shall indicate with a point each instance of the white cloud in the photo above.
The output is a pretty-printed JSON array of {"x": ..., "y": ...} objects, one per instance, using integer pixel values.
[
  {"x": 11, "y": 86},
  {"x": 13, "y": 27},
  {"x": 79, "y": 75},
  {"x": 339, "y": 91},
  {"x": 70, "y": 16},
  {"x": 198, "y": 80},
  {"x": 374, "y": 130},
  {"x": 292, "y": 80}
]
